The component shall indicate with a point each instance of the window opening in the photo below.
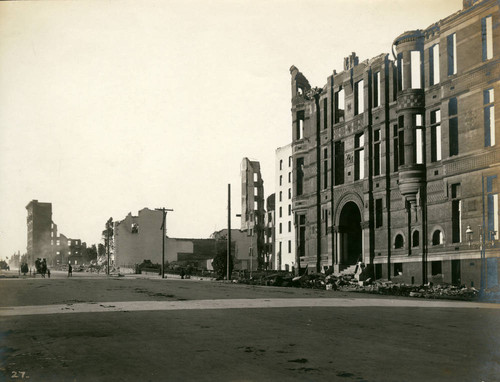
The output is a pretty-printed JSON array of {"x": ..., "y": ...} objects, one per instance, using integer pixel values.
[
  {"x": 435, "y": 135},
  {"x": 489, "y": 117}
]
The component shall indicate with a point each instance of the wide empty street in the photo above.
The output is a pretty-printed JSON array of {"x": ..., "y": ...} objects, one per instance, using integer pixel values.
[{"x": 98, "y": 328}]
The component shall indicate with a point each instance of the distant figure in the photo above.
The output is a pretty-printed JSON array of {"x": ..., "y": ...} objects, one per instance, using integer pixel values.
[
  {"x": 182, "y": 273},
  {"x": 70, "y": 270},
  {"x": 48, "y": 273}
]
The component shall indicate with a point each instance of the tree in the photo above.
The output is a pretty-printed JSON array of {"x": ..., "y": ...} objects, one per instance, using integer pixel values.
[
  {"x": 219, "y": 264},
  {"x": 3, "y": 264},
  {"x": 91, "y": 253},
  {"x": 101, "y": 250}
]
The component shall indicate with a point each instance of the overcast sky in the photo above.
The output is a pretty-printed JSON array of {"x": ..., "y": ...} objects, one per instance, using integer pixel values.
[{"x": 107, "y": 107}]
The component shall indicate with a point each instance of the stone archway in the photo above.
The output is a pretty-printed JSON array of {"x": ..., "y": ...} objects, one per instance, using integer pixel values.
[{"x": 350, "y": 234}]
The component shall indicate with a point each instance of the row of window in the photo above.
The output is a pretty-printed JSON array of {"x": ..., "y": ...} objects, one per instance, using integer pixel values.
[
  {"x": 289, "y": 246},
  {"x": 289, "y": 227},
  {"x": 289, "y": 163},
  {"x": 415, "y": 75},
  {"x": 289, "y": 178},
  {"x": 398, "y": 143},
  {"x": 58, "y": 242}
]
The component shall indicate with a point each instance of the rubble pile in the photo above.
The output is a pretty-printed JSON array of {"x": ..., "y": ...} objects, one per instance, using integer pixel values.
[{"x": 352, "y": 283}]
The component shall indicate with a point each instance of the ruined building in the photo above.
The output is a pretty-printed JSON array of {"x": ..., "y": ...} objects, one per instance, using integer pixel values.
[
  {"x": 395, "y": 159},
  {"x": 138, "y": 238},
  {"x": 252, "y": 207},
  {"x": 45, "y": 242}
]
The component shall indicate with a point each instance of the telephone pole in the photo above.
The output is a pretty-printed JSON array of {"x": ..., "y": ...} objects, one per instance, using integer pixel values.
[
  {"x": 164, "y": 228},
  {"x": 228, "y": 228}
]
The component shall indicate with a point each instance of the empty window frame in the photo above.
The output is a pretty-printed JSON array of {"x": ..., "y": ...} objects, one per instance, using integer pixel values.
[
  {"x": 436, "y": 268},
  {"x": 453, "y": 126},
  {"x": 289, "y": 246},
  {"x": 325, "y": 169},
  {"x": 281, "y": 180},
  {"x": 281, "y": 212},
  {"x": 492, "y": 205},
  {"x": 377, "y": 158},
  {"x": 376, "y": 89},
  {"x": 489, "y": 117},
  {"x": 399, "y": 146},
  {"x": 290, "y": 177},
  {"x": 416, "y": 72},
  {"x": 301, "y": 245},
  {"x": 300, "y": 124},
  {"x": 300, "y": 176},
  {"x": 419, "y": 139},
  {"x": 435, "y": 135},
  {"x": 400, "y": 72},
  {"x": 434, "y": 65},
  {"x": 359, "y": 104},
  {"x": 437, "y": 237},
  {"x": 289, "y": 209},
  {"x": 399, "y": 241},
  {"x": 289, "y": 226},
  {"x": 395, "y": 148},
  {"x": 378, "y": 213},
  {"x": 325, "y": 113},
  {"x": 281, "y": 196},
  {"x": 281, "y": 164},
  {"x": 452, "y": 54},
  {"x": 359, "y": 156},
  {"x": 398, "y": 269},
  {"x": 289, "y": 193},
  {"x": 487, "y": 37},
  {"x": 415, "y": 238},
  {"x": 456, "y": 214},
  {"x": 339, "y": 163},
  {"x": 281, "y": 228},
  {"x": 339, "y": 105}
]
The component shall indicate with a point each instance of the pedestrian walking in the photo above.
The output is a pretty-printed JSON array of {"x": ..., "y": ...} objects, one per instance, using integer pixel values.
[
  {"x": 70, "y": 270},
  {"x": 48, "y": 273}
]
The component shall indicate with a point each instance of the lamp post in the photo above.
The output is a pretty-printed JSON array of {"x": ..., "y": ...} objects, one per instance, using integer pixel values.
[{"x": 469, "y": 233}]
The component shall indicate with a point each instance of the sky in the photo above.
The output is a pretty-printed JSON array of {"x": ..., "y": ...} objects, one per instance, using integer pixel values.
[{"x": 108, "y": 107}]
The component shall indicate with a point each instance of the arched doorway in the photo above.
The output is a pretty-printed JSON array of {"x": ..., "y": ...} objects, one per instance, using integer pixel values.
[{"x": 351, "y": 238}]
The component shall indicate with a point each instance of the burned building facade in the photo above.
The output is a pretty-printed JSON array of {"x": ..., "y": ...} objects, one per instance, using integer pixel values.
[
  {"x": 252, "y": 206},
  {"x": 45, "y": 242},
  {"x": 395, "y": 159}
]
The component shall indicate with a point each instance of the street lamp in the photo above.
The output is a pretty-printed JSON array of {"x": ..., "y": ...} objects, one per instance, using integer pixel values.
[{"x": 469, "y": 233}]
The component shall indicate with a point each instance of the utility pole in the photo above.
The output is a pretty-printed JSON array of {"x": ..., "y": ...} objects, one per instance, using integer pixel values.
[
  {"x": 164, "y": 228},
  {"x": 228, "y": 228}
]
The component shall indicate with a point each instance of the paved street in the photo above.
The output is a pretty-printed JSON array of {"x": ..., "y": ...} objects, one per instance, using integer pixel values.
[{"x": 94, "y": 328}]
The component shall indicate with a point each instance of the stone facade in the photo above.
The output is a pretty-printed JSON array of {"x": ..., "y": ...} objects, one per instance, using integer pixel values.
[{"x": 389, "y": 157}]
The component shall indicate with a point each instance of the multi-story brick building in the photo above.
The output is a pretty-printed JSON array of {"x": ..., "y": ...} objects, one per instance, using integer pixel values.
[
  {"x": 252, "y": 206},
  {"x": 285, "y": 229},
  {"x": 395, "y": 158},
  {"x": 45, "y": 242},
  {"x": 39, "y": 226}
]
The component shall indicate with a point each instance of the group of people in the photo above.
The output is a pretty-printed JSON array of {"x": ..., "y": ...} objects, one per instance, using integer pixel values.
[{"x": 41, "y": 267}]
